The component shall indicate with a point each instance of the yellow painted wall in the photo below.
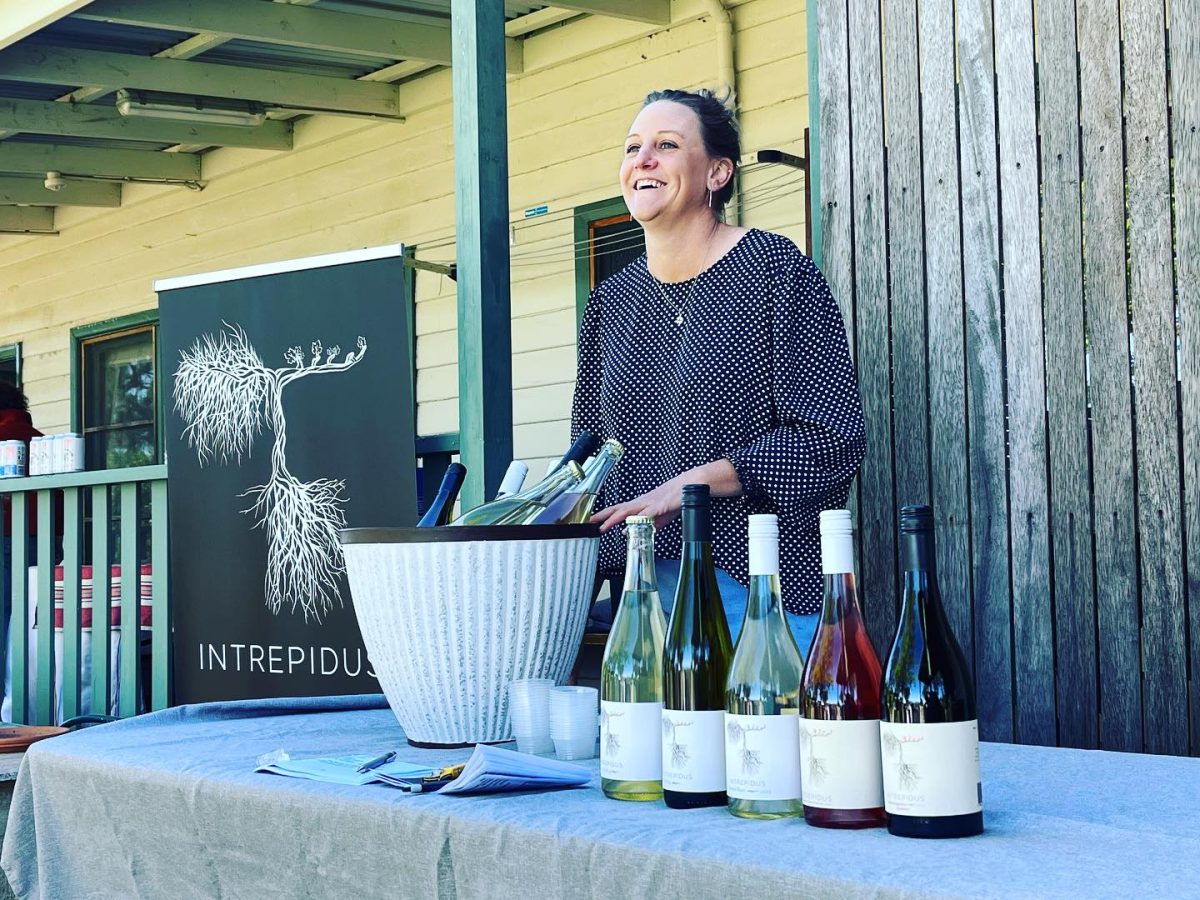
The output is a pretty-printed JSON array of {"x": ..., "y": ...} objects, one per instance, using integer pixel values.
[{"x": 351, "y": 183}]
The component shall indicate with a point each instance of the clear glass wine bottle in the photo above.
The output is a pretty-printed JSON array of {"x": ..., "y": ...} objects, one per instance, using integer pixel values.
[
  {"x": 762, "y": 741},
  {"x": 631, "y": 687}
]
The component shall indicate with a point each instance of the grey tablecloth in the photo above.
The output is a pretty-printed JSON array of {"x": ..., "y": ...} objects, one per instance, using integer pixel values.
[{"x": 167, "y": 806}]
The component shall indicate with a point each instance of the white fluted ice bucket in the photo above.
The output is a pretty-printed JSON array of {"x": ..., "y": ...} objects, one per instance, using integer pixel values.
[{"x": 450, "y": 616}]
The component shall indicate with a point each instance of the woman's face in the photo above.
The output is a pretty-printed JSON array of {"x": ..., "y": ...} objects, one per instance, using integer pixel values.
[{"x": 666, "y": 168}]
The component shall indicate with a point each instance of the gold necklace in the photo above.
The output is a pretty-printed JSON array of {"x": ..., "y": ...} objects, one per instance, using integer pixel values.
[{"x": 687, "y": 299}]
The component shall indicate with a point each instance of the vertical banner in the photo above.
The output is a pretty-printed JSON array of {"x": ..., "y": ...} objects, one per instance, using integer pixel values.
[{"x": 289, "y": 416}]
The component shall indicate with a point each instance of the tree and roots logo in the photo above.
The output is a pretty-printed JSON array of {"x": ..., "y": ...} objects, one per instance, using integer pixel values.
[
  {"x": 225, "y": 394},
  {"x": 679, "y": 752},
  {"x": 612, "y": 739},
  {"x": 818, "y": 766},
  {"x": 905, "y": 772},
  {"x": 751, "y": 758}
]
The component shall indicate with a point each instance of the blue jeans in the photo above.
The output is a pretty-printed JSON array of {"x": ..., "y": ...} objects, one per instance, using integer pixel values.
[{"x": 733, "y": 598}]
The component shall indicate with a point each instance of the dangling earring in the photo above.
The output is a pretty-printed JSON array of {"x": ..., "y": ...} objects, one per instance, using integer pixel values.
[{"x": 710, "y": 198}]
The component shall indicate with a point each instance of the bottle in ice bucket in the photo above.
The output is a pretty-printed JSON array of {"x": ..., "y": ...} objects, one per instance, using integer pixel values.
[
  {"x": 520, "y": 509},
  {"x": 442, "y": 504},
  {"x": 762, "y": 738},
  {"x": 631, "y": 688},
  {"x": 575, "y": 506}
]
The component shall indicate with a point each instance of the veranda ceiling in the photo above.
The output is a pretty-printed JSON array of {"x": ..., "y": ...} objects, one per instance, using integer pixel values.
[{"x": 62, "y": 63}]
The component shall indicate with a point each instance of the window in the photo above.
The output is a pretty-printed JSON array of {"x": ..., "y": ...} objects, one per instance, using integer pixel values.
[
  {"x": 606, "y": 240},
  {"x": 116, "y": 392},
  {"x": 10, "y": 364}
]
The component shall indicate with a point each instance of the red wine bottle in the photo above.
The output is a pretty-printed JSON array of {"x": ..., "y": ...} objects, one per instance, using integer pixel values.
[
  {"x": 929, "y": 730},
  {"x": 696, "y": 659},
  {"x": 839, "y": 700},
  {"x": 442, "y": 506}
]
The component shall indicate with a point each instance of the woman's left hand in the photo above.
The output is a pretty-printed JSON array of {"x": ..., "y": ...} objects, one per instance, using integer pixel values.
[{"x": 665, "y": 501}]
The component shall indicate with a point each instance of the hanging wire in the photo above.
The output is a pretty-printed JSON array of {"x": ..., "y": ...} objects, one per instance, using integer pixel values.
[
  {"x": 569, "y": 212},
  {"x": 774, "y": 188}
]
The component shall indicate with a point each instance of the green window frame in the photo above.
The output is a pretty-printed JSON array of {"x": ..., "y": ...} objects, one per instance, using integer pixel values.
[
  {"x": 587, "y": 218},
  {"x": 85, "y": 336},
  {"x": 11, "y": 353}
]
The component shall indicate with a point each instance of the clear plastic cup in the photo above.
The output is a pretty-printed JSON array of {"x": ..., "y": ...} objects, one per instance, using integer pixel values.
[
  {"x": 529, "y": 713},
  {"x": 574, "y": 721},
  {"x": 581, "y": 747}
]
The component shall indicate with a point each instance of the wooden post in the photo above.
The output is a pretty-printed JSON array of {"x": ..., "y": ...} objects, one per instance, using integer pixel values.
[{"x": 481, "y": 214}]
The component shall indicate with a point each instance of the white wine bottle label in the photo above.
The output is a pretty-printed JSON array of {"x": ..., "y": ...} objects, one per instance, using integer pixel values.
[
  {"x": 931, "y": 770},
  {"x": 762, "y": 757},
  {"x": 630, "y": 741},
  {"x": 840, "y": 764},
  {"x": 693, "y": 750}
]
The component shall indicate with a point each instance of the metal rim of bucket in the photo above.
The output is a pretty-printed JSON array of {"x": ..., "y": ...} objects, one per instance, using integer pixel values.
[{"x": 464, "y": 533}]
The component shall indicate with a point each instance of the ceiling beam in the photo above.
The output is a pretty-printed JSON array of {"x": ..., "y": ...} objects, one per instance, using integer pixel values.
[
  {"x": 27, "y": 220},
  {"x": 289, "y": 25},
  {"x": 93, "y": 162},
  {"x": 18, "y": 20},
  {"x": 655, "y": 12},
  {"x": 43, "y": 64},
  {"x": 15, "y": 189},
  {"x": 542, "y": 18},
  {"x": 70, "y": 120}
]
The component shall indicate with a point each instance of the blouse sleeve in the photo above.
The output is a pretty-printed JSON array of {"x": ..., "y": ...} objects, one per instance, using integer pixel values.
[
  {"x": 818, "y": 441},
  {"x": 585, "y": 408}
]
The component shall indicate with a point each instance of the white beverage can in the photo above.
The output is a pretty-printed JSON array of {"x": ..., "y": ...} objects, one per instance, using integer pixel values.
[
  {"x": 77, "y": 440},
  {"x": 35, "y": 456},
  {"x": 68, "y": 453},
  {"x": 58, "y": 461},
  {"x": 7, "y": 459},
  {"x": 19, "y": 460}
]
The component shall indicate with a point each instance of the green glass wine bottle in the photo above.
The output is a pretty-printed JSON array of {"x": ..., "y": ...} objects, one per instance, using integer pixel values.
[
  {"x": 929, "y": 730},
  {"x": 695, "y": 666}
]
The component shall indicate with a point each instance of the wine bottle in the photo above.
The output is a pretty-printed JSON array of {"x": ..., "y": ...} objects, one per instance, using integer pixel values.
[
  {"x": 442, "y": 505},
  {"x": 762, "y": 694},
  {"x": 695, "y": 665},
  {"x": 575, "y": 506},
  {"x": 631, "y": 687},
  {"x": 514, "y": 478},
  {"x": 839, "y": 702},
  {"x": 520, "y": 509},
  {"x": 583, "y": 447},
  {"x": 929, "y": 733}
]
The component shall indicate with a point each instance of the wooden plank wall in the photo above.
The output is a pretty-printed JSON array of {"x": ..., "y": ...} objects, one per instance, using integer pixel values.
[{"x": 1010, "y": 199}]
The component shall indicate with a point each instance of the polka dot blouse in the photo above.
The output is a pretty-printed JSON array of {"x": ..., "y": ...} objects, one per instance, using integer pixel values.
[{"x": 758, "y": 373}]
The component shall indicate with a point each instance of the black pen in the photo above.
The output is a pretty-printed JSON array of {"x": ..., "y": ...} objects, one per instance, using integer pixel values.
[{"x": 377, "y": 762}]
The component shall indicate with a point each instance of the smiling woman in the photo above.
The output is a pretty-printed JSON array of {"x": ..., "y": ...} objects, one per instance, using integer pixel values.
[{"x": 718, "y": 357}]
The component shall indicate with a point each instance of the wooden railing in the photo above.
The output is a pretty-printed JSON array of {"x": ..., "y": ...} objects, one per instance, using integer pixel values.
[{"x": 124, "y": 509}]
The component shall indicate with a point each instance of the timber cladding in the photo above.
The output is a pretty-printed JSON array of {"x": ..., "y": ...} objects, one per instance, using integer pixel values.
[{"x": 1010, "y": 220}]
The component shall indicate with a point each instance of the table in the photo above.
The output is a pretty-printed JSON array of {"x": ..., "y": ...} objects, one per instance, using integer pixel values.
[{"x": 167, "y": 805}]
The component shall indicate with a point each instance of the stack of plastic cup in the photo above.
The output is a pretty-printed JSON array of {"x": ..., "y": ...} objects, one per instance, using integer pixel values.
[
  {"x": 529, "y": 712},
  {"x": 574, "y": 721}
]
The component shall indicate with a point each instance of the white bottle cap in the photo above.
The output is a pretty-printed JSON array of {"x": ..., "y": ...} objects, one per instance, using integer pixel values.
[
  {"x": 837, "y": 542},
  {"x": 764, "y": 545}
]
